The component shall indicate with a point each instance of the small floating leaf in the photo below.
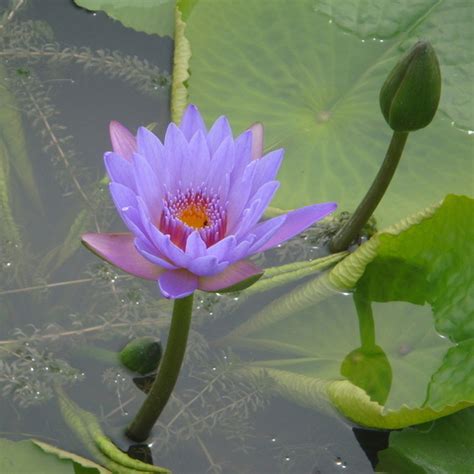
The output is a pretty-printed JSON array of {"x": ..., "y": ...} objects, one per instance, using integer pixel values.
[{"x": 32, "y": 456}]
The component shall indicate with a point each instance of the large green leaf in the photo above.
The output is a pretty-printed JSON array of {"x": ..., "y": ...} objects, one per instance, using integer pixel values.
[
  {"x": 443, "y": 448},
  {"x": 314, "y": 84},
  {"x": 149, "y": 16},
  {"x": 31, "y": 456},
  {"x": 387, "y": 19},
  {"x": 397, "y": 349}
]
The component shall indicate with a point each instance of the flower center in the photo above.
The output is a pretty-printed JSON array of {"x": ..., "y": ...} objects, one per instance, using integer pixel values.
[
  {"x": 191, "y": 210},
  {"x": 194, "y": 215}
]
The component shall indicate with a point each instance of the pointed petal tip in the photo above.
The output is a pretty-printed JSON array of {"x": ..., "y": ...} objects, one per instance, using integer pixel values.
[
  {"x": 257, "y": 131},
  {"x": 116, "y": 128},
  {"x": 145, "y": 131},
  {"x": 330, "y": 206},
  {"x": 297, "y": 221},
  {"x": 192, "y": 122},
  {"x": 87, "y": 240},
  {"x": 192, "y": 108},
  {"x": 123, "y": 141}
]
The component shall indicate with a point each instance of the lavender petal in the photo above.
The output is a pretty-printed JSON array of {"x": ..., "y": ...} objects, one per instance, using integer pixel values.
[
  {"x": 232, "y": 275},
  {"x": 119, "y": 250},
  {"x": 123, "y": 142},
  {"x": 177, "y": 283},
  {"x": 297, "y": 221}
]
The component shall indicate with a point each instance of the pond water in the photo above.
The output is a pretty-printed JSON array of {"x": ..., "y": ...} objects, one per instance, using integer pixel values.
[{"x": 64, "y": 314}]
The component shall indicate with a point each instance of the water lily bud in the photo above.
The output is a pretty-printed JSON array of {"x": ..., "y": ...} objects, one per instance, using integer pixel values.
[
  {"x": 142, "y": 355},
  {"x": 410, "y": 95}
]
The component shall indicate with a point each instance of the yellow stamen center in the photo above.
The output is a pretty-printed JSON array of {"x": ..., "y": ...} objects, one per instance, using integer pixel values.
[{"x": 194, "y": 215}]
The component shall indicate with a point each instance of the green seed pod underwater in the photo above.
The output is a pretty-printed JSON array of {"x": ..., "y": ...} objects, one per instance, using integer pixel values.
[
  {"x": 142, "y": 355},
  {"x": 410, "y": 95}
]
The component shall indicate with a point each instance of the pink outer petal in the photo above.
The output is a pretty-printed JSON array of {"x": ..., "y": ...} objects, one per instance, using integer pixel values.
[
  {"x": 119, "y": 250},
  {"x": 123, "y": 142},
  {"x": 257, "y": 140},
  {"x": 232, "y": 275},
  {"x": 297, "y": 221},
  {"x": 177, "y": 283}
]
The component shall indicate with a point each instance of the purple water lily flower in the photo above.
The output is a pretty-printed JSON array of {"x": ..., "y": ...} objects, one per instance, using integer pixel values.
[{"x": 193, "y": 205}]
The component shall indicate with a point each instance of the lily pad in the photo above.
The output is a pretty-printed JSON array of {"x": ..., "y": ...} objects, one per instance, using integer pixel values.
[
  {"x": 442, "y": 447},
  {"x": 406, "y": 303},
  {"x": 149, "y": 16},
  {"x": 42, "y": 458},
  {"x": 311, "y": 74},
  {"x": 422, "y": 19}
]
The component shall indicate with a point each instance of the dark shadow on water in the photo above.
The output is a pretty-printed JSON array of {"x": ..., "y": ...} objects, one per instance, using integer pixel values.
[
  {"x": 141, "y": 452},
  {"x": 372, "y": 441}
]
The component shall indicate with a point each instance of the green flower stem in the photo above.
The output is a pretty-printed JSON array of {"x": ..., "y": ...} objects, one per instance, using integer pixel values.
[
  {"x": 168, "y": 372},
  {"x": 354, "y": 225}
]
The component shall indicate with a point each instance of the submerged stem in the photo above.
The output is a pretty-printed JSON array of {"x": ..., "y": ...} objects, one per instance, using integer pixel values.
[
  {"x": 168, "y": 372},
  {"x": 374, "y": 195}
]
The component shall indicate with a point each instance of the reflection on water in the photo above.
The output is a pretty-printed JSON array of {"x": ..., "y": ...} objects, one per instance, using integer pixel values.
[{"x": 63, "y": 317}]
